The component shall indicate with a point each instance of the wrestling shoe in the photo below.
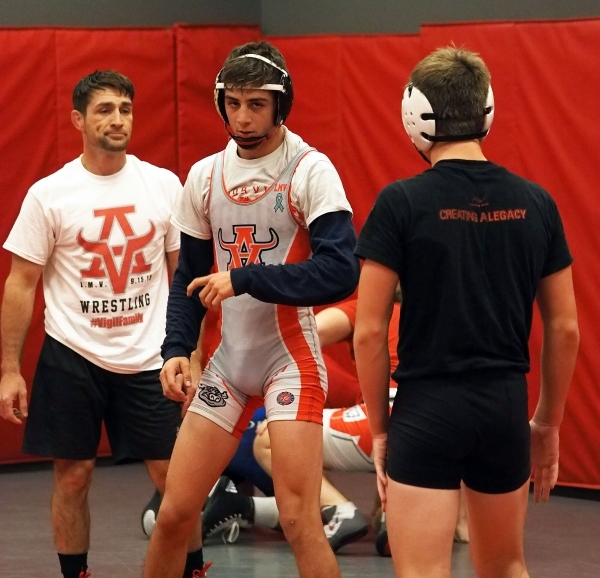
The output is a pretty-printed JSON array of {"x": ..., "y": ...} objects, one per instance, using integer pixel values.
[
  {"x": 343, "y": 525},
  {"x": 226, "y": 509},
  {"x": 201, "y": 573},
  {"x": 149, "y": 514},
  {"x": 382, "y": 544}
]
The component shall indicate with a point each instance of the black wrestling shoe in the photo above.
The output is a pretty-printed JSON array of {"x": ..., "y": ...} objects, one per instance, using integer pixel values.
[
  {"x": 225, "y": 508},
  {"x": 149, "y": 514},
  {"x": 341, "y": 527},
  {"x": 382, "y": 544}
]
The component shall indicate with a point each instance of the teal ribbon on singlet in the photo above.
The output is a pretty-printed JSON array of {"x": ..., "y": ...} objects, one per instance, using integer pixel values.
[{"x": 278, "y": 203}]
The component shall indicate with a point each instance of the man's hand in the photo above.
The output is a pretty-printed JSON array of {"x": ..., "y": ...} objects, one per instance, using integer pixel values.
[
  {"x": 544, "y": 459},
  {"x": 217, "y": 288},
  {"x": 379, "y": 460},
  {"x": 13, "y": 389},
  {"x": 176, "y": 379}
]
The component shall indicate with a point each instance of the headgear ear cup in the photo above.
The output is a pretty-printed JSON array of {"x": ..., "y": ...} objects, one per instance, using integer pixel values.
[
  {"x": 419, "y": 119},
  {"x": 489, "y": 111}
]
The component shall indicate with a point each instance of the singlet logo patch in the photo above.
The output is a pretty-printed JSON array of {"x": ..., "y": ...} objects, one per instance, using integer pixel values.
[
  {"x": 212, "y": 396},
  {"x": 285, "y": 398},
  {"x": 245, "y": 249},
  {"x": 130, "y": 254}
]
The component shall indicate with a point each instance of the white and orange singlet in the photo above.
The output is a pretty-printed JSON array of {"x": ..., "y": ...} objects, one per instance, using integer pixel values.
[{"x": 267, "y": 350}]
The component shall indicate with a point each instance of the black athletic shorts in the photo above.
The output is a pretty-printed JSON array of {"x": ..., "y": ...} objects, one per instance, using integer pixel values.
[
  {"x": 71, "y": 397},
  {"x": 472, "y": 427}
]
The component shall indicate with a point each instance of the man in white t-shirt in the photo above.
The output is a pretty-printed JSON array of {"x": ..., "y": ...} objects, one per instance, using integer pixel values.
[
  {"x": 98, "y": 231},
  {"x": 271, "y": 212}
]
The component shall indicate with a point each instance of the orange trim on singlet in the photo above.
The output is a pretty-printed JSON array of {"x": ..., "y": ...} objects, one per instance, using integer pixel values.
[
  {"x": 357, "y": 428},
  {"x": 231, "y": 396},
  {"x": 296, "y": 215},
  {"x": 312, "y": 398},
  {"x": 295, "y": 340},
  {"x": 253, "y": 403},
  {"x": 244, "y": 200}
]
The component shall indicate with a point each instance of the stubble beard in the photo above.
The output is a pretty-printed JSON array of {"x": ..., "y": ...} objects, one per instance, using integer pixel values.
[{"x": 113, "y": 147}]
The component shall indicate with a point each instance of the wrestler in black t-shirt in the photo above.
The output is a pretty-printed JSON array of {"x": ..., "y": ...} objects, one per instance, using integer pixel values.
[{"x": 470, "y": 240}]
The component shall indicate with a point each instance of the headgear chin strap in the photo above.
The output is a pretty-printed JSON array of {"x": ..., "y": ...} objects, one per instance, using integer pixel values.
[
  {"x": 419, "y": 120},
  {"x": 250, "y": 143},
  {"x": 284, "y": 96}
]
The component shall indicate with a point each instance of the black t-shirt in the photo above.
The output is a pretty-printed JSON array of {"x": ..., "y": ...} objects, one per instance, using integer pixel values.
[{"x": 469, "y": 241}]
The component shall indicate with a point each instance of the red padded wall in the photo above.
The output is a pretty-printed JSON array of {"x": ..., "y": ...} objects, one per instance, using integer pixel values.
[
  {"x": 348, "y": 92},
  {"x": 347, "y": 104},
  {"x": 28, "y": 148},
  {"x": 201, "y": 51}
]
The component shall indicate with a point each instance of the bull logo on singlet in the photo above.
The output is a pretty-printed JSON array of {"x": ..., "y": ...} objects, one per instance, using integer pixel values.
[
  {"x": 105, "y": 262},
  {"x": 212, "y": 395},
  {"x": 245, "y": 248}
]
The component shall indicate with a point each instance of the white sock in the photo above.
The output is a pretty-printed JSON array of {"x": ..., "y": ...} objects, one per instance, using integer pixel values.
[
  {"x": 265, "y": 512},
  {"x": 345, "y": 510}
]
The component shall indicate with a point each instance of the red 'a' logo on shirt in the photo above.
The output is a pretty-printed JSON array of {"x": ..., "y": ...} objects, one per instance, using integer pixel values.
[
  {"x": 132, "y": 259},
  {"x": 245, "y": 249}
]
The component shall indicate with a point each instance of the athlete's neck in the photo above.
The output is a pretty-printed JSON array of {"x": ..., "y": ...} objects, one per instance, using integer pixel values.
[
  {"x": 264, "y": 148},
  {"x": 103, "y": 163},
  {"x": 469, "y": 150}
]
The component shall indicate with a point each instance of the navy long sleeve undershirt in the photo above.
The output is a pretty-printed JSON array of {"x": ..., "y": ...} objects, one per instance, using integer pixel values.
[{"x": 330, "y": 275}]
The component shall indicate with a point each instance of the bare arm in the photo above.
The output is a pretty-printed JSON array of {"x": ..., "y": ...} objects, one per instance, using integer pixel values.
[
  {"x": 556, "y": 302},
  {"x": 375, "y": 303},
  {"x": 17, "y": 309}
]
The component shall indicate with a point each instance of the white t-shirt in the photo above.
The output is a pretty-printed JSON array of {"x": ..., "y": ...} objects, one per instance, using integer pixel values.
[
  {"x": 316, "y": 185},
  {"x": 102, "y": 242}
]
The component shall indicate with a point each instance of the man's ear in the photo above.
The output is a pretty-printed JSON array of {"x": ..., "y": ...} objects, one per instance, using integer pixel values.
[{"x": 77, "y": 119}]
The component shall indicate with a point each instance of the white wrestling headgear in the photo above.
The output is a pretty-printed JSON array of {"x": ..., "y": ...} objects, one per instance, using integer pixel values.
[{"x": 419, "y": 120}]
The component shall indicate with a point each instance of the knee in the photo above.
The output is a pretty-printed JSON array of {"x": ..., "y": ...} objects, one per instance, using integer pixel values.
[
  {"x": 73, "y": 478},
  {"x": 297, "y": 520},
  {"x": 174, "y": 520}
]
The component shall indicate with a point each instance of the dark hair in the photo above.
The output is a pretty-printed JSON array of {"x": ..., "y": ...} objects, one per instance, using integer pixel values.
[
  {"x": 251, "y": 72},
  {"x": 100, "y": 80},
  {"x": 455, "y": 81}
]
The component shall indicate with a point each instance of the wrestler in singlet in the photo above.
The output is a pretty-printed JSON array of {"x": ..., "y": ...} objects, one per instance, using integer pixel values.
[
  {"x": 347, "y": 441},
  {"x": 266, "y": 350}
]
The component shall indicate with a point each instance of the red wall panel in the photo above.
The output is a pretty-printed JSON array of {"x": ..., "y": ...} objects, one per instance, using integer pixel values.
[
  {"x": 28, "y": 148},
  {"x": 376, "y": 149},
  {"x": 201, "y": 51},
  {"x": 147, "y": 58},
  {"x": 347, "y": 104},
  {"x": 558, "y": 77}
]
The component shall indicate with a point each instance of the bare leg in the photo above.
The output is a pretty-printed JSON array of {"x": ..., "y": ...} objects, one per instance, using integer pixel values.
[
  {"x": 201, "y": 452},
  {"x": 461, "y": 533},
  {"x": 329, "y": 495},
  {"x": 157, "y": 470},
  {"x": 70, "y": 509},
  {"x": 496, "y": 524},
  {"x": 297, "y": 472},
  {"x": 420, "y": 524}
]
